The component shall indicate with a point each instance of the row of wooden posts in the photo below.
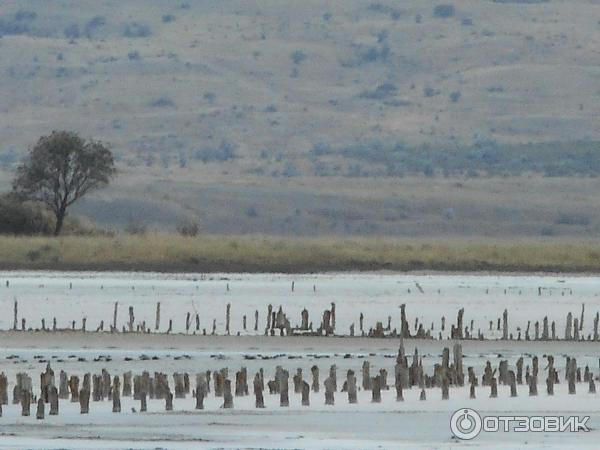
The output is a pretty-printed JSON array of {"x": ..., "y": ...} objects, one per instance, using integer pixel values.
[
  {"x": 278, "y": 323},
  {"x": 449, "y": 372}
]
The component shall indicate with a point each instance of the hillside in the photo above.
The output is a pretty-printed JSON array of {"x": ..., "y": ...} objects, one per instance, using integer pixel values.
[{"x": 318, "y": 117}]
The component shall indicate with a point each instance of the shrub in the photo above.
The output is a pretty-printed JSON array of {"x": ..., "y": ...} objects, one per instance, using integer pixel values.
[
  {"x": 188, "y": 228},
  {"x": 224, "y": 152},
  {"x": 10, "y": 27},
  {"x": 443, "y": 11},
  {"x": 374, "y": 54},
  {"x": 290, "y": 170},
  {"x": 428, "y": 91},
  {"x": 25, "y": 15},
  {"x": 251, "y": 212},
  {"x": 385, "y": 9},
  {"x": 455, "y": 96},
  {"x": 72, "y": 31},
  {"x": 162, "y": 102},
  {"x": 381, "y": 92},
  {"x": 572, "y": 219},
  {"x": 167, "y": 18},
  {"x": 136, "y": 228},
  {"x": 93, "y": 25},
  {"x": 298, "y": 56},
  {"x": 321, "y": 148},
  {"x": 136, "y": 30},
  {"x": 134, "y": 56},
  {"x": 17, "y": 217}
]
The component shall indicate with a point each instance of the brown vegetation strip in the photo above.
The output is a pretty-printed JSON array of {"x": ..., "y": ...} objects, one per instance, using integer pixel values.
[{"x": 174, "y": 253}]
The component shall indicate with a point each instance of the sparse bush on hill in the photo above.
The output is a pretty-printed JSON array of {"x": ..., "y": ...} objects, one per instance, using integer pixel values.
[
  {"x": 483, "y": 156},
  {"x": 290, "y": 170},
  {"x": 572, "y": 219},
  {"x": 136, "y": 30},
  {"x": 251, "y": 212},
  {"x": 13, "y": 27},
  {"x": 443, "y": 11},
  {"x": 72, "y": 31},
  {"x": 394, "y": 13},
  {"x": 381, "y": 92},
  {"x": 93, "y": 26},
  {"x": 428, "y": 91},
  {"x": 297, "y": 56},
  {"x": 25, "y": 15},
  {"x": 455, "y": 96},
  {"x": 224, "y": 152},
  {"x": 162, "y": 102},
  {"x": 167, "y": 18}
]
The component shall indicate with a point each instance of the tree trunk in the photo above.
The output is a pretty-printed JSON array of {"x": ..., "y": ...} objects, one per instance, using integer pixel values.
[{"x": 60, "y": 218}]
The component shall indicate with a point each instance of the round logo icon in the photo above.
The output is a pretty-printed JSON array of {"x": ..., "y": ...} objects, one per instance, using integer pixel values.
[{"x": 465, "y": 424}]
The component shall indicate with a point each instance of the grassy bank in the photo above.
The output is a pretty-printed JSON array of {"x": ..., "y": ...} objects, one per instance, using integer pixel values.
[{"x": 169, "y": 253}]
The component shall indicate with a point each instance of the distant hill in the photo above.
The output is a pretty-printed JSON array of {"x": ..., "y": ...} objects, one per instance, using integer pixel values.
[{"x": 221, "y": 104}]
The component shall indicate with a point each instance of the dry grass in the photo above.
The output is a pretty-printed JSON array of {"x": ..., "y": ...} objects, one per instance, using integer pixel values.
[{"x": 168, "y": 252}]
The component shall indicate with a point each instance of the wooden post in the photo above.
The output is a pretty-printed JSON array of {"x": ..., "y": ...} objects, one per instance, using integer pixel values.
[
  {"x": 569, "y": 327},
  {"x": 494, "y": 388},
  {"x": 127, "y": 384},
  {"x": 258, "y": 391},
  {"x": 329, "y": 392},
  {"x": 315, "y": 378},
  {"x": 227, "y": 318},
  {"x": 143, "y": 402},
  {"x": 157, "y": 317},
  {"x": 256, "y": 320},
  {"x": 227, "y": 397},
  {"x": 445, "y": 387},
  {"x": 551, "y": 376},
  {"x": 116, "y": 395},
  {"x": 305, "y": 394},
  {"x": 114, "y": 328},
  {"x": 297, "y": 379},
  {"x": 74, "y": 388},
  {"x": 84, "y": 401},
  {"x": 283, "y": 386},
  {"x": 169, "y": 401},
  {"x": 40, "y": 409},
  {"x": 533, "y": 386},
  {"x": 201, "y": 390},
  {"x": 376, "y": 390},
  {"x": 333, "y": 376},
  {"x": 16, "y": 309},
  {"x": 131, "y": 319},
  {"x": 572, "y": 364},
  {"x": 351, "y": 386},
  {"x": 53, "y": 398}
]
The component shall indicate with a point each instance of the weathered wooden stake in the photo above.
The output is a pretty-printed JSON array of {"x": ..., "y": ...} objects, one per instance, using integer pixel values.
[
  {"x": 157, "y": 317},
  {"x": 40, "y": 409}
]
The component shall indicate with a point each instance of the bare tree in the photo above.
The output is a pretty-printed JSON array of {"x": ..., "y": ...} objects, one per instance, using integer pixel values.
[{"x": 62, "y": 168}]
